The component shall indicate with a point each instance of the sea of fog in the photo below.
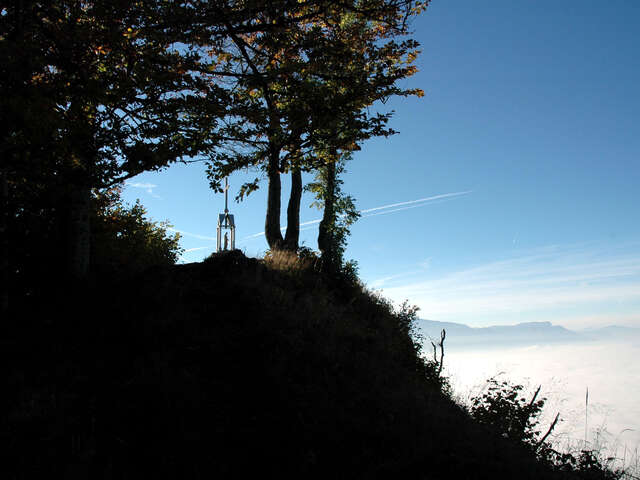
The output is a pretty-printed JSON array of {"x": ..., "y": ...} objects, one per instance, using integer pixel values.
[{"x": 611, "y": 371}]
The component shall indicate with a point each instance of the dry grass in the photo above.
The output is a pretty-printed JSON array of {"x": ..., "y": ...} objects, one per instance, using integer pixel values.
[{"x": 287, "y": 261}]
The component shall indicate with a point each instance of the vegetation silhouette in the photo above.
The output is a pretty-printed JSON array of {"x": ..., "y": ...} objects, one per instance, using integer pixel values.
[
  {"x": 504, "y": 408},
  {"x": 233, "y": 367},
  {"x": 117, "y": 363}
]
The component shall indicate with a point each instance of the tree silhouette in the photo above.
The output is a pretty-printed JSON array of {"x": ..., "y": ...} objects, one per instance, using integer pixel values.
[
  {"x": 302, "y": 89},
  {"x": 107, "y": 93},
  {"x": 339, "y": 213}
]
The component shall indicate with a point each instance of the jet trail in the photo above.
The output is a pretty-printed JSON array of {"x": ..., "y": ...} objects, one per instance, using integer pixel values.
[
  {"x": 391, "y": 208},
  {"x": 420, "y": 200}
]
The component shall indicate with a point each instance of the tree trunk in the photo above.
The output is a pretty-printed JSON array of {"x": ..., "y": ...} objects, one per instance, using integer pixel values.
[
  {"x": 4, "y": 241},
  {"x": 292, "y": 236},
  {"x": 326, "y": 242},
  {"x": 78, "y": 231},
  {"x": 272, "y": 223}
]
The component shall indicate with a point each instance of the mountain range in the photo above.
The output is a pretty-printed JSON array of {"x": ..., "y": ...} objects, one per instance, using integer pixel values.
[{"x": 459, "y": 335}]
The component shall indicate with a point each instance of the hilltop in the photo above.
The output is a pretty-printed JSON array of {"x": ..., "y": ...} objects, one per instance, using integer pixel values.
[{"x": 232, "y": 368}]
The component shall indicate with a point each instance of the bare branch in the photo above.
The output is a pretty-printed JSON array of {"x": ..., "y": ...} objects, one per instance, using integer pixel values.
[
  {"x": 441, "y": 363},
  {"x": 535, "y": 395},
  {"x": 553, "y": 425}
]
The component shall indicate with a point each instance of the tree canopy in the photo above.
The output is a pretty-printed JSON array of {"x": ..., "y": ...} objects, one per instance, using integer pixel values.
[
  {"x": 106, "y": 92},
  {"x": 97, "y": 91},
  {"x": 302, "y": 90},
  {"x": 106, "y": 86}
]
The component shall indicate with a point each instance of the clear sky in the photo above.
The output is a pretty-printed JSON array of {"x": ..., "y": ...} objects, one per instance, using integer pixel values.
[{"x": 527, "y": 137}]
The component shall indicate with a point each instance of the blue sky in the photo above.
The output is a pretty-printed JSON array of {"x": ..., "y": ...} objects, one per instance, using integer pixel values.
[{"x": 529, "y": 140}]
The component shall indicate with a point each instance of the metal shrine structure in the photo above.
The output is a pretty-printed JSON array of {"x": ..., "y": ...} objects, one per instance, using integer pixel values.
[{"x": 226, "y": 240}]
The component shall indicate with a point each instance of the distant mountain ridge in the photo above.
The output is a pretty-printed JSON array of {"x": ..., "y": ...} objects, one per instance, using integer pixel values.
[{"x": 529, "y": 333}]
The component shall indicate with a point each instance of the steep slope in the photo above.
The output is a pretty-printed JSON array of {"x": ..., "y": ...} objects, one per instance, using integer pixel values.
[{"x": 229, "y": 368}]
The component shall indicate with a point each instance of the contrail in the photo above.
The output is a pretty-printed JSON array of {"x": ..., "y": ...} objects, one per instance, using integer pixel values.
[
  {"x": 405, "y": 205},
  {"x": 420, "y": 200},
  {"x": 409, "y": 207},
  {"x": 195, "y": 249},
  {"x": 194, "y": 235},
  {"x": 282, "y": 229}
]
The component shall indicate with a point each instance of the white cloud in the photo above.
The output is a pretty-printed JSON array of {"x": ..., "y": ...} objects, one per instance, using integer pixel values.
[
  {"x": 552, "y": 282},
  {"x": 380, "y": 282},
  {"x": 148, "y": 187},
  {"x": 422, "y": 266}
]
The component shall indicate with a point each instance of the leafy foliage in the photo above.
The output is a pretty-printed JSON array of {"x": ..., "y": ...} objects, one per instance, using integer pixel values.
[
  {"x": 233, "y": 367},
  {"x": 504, "y": 408},
  {"x": 299, "y": 71},
  {"x": 122, "y": 238},
  {"x": 301, "y": 82},
  {"x": 99, "y": 91},
  {"x": 104, "y": 88},
  {"x": 339, "y": 214}
]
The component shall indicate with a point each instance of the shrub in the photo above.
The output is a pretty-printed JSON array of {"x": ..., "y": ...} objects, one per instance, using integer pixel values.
[
  {"x": 123, "y": 238},
  {"x": 502, "y": 407}
]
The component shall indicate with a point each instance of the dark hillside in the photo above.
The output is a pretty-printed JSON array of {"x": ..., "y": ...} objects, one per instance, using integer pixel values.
[{"x": 226, "y": 369}]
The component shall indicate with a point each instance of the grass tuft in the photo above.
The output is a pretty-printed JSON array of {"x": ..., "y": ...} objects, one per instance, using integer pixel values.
[{"x": 288, "y": 261}]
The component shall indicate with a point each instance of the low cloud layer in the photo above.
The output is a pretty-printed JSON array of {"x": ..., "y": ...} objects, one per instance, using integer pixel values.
[{"x": 609, "y": 370}]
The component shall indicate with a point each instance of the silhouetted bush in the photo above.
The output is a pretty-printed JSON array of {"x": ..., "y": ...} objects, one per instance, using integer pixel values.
[
  {"x": 232, "y": 369},
  {"x": 503, "y": 408},
  {"x": 122, "y": 238}
]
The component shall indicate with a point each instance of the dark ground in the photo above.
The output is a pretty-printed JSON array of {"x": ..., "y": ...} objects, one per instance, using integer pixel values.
[{"x": 229, "y": 369}]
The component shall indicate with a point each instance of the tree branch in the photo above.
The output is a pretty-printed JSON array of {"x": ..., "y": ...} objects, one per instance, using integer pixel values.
[{"x": 553, "y": 425}]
